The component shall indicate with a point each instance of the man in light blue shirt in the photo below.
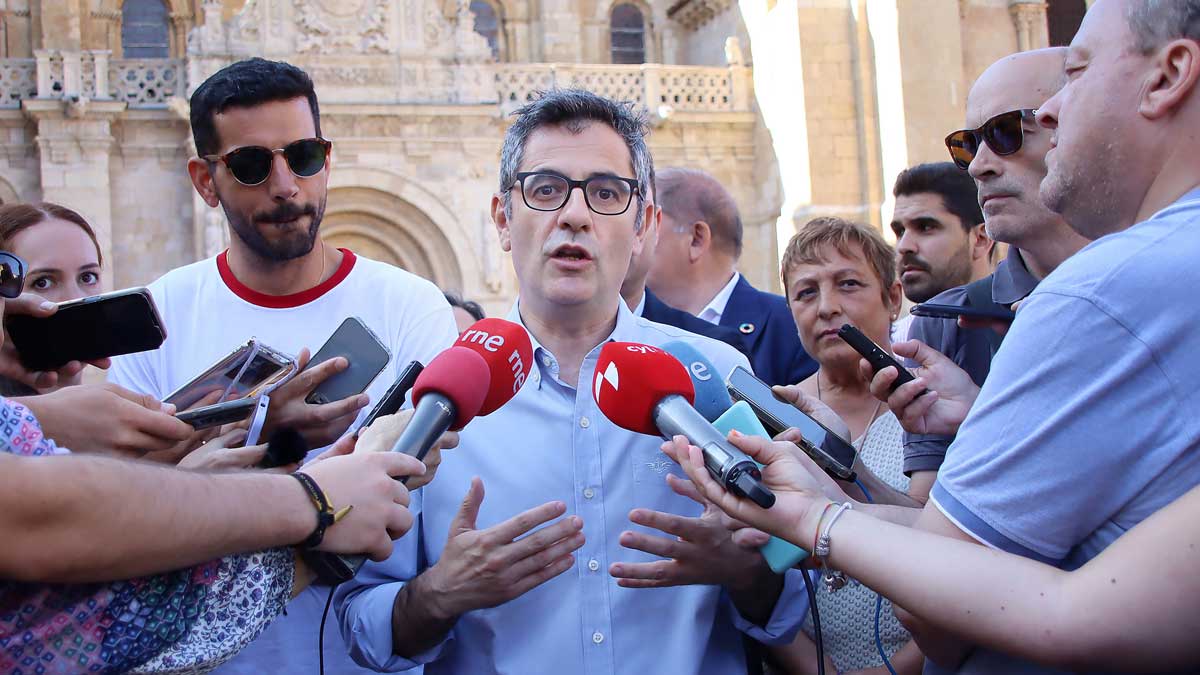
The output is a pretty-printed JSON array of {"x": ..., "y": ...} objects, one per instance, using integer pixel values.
[{"x": 524, "y": 581}]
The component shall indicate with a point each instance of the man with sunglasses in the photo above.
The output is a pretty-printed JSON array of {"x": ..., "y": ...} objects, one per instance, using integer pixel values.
[
  {"x": 524, "y": 581},
  {"x": 1005, "y": 155},
  {"x": 262, "y": 160}
]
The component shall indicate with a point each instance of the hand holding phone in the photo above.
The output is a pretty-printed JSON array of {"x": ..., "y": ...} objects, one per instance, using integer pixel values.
[
  {"x": 218, "y": 414},
  {"x": 875, "y": 355},
  {"x": 365, "y": 353}
]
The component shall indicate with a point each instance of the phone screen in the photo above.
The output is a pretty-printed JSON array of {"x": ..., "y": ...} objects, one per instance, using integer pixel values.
[
  {"x": 362, "y": 349},
  {"x": 265, "y": 367},
  {"x": 779, "y": 415},
  {"x": 89, "y": 328}
]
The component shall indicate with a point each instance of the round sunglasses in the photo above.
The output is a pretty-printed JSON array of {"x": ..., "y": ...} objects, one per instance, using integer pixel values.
[
  {"x": 12, "y": 275},
  {"x": 251, "y": 165},
  {"x": 1003, "y": 133}
]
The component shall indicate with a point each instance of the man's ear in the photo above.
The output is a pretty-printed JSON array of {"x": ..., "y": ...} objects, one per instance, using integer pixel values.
[
  {"x": 202, "y": 180},
  {"x": 500, "y": 219},
  {"x": 701, "y": 241},
  {"x": 981, "y": 243},
  {"x": 650, "y": 216},
  {"x": 1172, "y": 79}
]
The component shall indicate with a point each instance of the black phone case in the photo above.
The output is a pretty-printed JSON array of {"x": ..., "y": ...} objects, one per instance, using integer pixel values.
[
  {"x": 218, "y": 413},
  {"x": 394, "y": 398},
  {"x": 874, "y": 355},
  {"x": 954, "y": 311},
  {"x": 87, "y": 329},
  {"x": 364, "y": 351}
]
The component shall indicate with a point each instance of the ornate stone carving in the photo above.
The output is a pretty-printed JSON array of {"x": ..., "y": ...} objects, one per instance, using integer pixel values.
[
  {"x": 693, "y": 14},
  {"x": 1029, "y": 17}
]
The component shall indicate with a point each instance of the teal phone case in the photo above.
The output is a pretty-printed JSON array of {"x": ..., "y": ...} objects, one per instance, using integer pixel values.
[{"x": 781, "y": 555}]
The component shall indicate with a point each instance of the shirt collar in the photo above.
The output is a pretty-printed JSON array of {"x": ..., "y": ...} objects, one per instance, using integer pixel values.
[
  {"x": 640, "y": 310},
  {"x": 716, "y": 307},
  {"x": 546, "y": 363},
  {"x": 1012, "y": 280}
]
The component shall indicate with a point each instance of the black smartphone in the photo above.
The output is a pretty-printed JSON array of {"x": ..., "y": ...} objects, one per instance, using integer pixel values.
[
  {"x": 831, "y": 452},
  {"x": 366, "y": 354},
  {"x": 110, "y": 324},
  {"x": 218, "y": 413},
  {"x": 995, "y": 313},
  {"x": 874, "y": 354},
  {"x": 394, "y": 398}
]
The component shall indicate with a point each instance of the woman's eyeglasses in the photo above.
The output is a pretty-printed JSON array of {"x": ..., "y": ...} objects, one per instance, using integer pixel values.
[{"x": 251, "y": 165}]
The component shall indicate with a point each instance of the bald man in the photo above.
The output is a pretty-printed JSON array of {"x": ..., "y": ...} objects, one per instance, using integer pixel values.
[
  {"x": 695, "y": 270},
  {"x": 1013, "y": 213}
]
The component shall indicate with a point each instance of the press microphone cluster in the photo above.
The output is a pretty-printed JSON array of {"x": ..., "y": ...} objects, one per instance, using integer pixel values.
[
  {"x": 646, "y": 390},
  {"x": 479, "y": 373}
]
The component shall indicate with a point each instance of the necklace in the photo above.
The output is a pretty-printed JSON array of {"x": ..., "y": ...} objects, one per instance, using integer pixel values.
[
  {"x": 322, "y": 276},
  {"x": 870, "y": 422}
]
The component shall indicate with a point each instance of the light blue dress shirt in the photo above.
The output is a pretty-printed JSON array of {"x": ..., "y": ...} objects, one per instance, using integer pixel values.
[{"x": 551, "y": 442}]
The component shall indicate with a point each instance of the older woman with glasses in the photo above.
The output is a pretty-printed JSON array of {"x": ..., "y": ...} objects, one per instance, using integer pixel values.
[{"x": 837, "y": 272}]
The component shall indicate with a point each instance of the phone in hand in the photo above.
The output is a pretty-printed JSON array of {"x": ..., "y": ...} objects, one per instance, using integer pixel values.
[
  {"x": 996, "y": 313},
  {"x": 393, "y": 399},
  {"x": 87, "y": 329},
  {"x": 365, "y": 352},
  {"x": 218, "y": 414},
  {"x": 247, "y": 371},
  {"x": 874, "y": 354},
  {"x": 830, "y": 451}
]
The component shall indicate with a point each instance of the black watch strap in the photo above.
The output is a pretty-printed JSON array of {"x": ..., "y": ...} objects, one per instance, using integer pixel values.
[{"x": 326, "y": 516}]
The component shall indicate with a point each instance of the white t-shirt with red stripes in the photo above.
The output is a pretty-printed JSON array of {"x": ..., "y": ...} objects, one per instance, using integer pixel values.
[{"x": 208, "y": 313}]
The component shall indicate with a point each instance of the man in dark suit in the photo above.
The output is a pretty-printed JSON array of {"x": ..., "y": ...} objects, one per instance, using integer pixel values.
[
  {"x": 695, "y": 270},
  {"x": 647, "y": 305}
]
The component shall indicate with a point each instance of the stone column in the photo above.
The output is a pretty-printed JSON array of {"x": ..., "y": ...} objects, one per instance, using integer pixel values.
[
  {"x": 1029, "y": 18},
  {"x": 74, "y": 144}
]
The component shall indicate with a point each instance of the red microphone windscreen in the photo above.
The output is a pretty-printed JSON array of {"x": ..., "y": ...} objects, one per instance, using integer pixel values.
[
  {"x": 632, "y": 378},
  {"x": 460, "y": 375},
  {"x": 505, "y": 347}
]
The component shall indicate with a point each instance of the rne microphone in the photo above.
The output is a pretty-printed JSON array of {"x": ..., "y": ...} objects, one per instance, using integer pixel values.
[
  {"x": 478, "y": 374},
  {"x": 648, "y": 391},
  {"x": 713, "y": 401}
]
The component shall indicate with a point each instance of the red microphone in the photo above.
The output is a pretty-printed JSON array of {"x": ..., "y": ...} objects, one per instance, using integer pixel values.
[
  {"x": 480, "y": 372},
  {"x": 647, "y": 390}
]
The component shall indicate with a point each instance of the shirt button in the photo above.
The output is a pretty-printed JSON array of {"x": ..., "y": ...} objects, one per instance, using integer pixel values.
[
  {"x": 593, "y": 564},
  {"x": 588, "y": 493},
  {"x": 546, "y": 361},
  {"x": 584, "y": 422},
  {"x": 597, "y": 637}
]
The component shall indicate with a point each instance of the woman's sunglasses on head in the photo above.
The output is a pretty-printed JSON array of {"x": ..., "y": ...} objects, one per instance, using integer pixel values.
[
  {"x": 251, "y": 165},
  {"x": 1003, "y": 133}
]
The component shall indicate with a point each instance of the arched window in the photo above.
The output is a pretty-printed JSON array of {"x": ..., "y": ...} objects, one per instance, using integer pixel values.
[
  {"x": 628, "y": 34},
  {"x": 1062, "y": 19},
  {"x": 487, "y": 24},
  {"x": 145, "y": 33}
]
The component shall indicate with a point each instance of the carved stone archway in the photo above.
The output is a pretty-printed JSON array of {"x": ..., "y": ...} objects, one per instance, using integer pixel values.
[{"x": 387, "y": 228}]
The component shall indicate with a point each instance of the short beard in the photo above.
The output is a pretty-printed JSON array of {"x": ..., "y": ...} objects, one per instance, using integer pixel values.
[
  {"x": 294, "y": 246},
  {"x": 956, "y": 273}
]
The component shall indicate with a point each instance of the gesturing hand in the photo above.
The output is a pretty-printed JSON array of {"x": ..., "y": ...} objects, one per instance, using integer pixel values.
[
  {"x": 940, "y": 410},
  {"x": 486, "y": 568},
  {"x": 700, "y": 550}
]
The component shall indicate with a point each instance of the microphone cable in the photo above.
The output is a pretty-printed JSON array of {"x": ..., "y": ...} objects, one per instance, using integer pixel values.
[
  {"x": 816, "y": 619},
  {"x": 321, "y": 633},
  {"x": 878, "y": 600}
]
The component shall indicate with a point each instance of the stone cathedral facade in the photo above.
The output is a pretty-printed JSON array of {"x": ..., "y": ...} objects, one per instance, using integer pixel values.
[{"x": 801, "y": 107}]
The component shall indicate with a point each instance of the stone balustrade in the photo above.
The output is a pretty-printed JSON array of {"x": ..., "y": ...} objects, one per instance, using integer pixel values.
[{"x": 93, "y": 75}]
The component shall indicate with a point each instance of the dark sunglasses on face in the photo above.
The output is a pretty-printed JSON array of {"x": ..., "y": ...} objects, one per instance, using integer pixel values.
[
  {"x": 1003, "y": 133},
  {"x": 12, "y": 275},
  {"x": 251, "y": 165}
]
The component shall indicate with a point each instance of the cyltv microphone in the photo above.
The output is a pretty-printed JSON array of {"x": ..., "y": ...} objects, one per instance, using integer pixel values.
[
  {"x": 481, "y": 372},
  {"x": 713, "y": 401},
  {"x": 648, "y": 391}
]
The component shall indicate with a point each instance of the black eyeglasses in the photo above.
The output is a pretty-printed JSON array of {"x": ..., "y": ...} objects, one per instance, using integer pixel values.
[
  {"x": 12, "y": 275},
  {"x": 605, "y": 195},
  {"x": 252, "y": 164},
  {"x": 1003, "y": 133}
]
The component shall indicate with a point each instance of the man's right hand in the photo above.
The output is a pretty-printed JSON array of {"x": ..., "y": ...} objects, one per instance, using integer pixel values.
[
  {"x": 106, "y": 418},
  {"x": 319, "y": 424},
  {"x": 367, "y": 482},
  {"x": 942, "y": 408},
  {"x": 485, "y": 568}
]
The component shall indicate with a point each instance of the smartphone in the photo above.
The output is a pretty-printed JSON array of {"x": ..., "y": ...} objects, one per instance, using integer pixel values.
[
  {"x": 245, "y": 372},
  {"x": 110, "y": 324},
  {"x": 995, "y": 313},
  {"x": 874, "y": 354},
  {"x": 392, "y": 401},
  {"x": 217, "y": 414},
  {"x": 364, "y": 351},
  {"x": 831, "y": 452}
]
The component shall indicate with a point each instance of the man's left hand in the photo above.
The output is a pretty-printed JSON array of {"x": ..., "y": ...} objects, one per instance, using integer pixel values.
[{"x": 699, "y": 550}]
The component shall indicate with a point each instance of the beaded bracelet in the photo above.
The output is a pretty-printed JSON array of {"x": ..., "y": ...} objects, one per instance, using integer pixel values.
[{"x": 834, "y": 579}]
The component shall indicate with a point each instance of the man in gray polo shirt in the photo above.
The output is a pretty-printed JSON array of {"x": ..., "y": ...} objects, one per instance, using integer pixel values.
[
  {"x": 1013, "y": 213},
  {"x": 1088, "y": 422}
]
